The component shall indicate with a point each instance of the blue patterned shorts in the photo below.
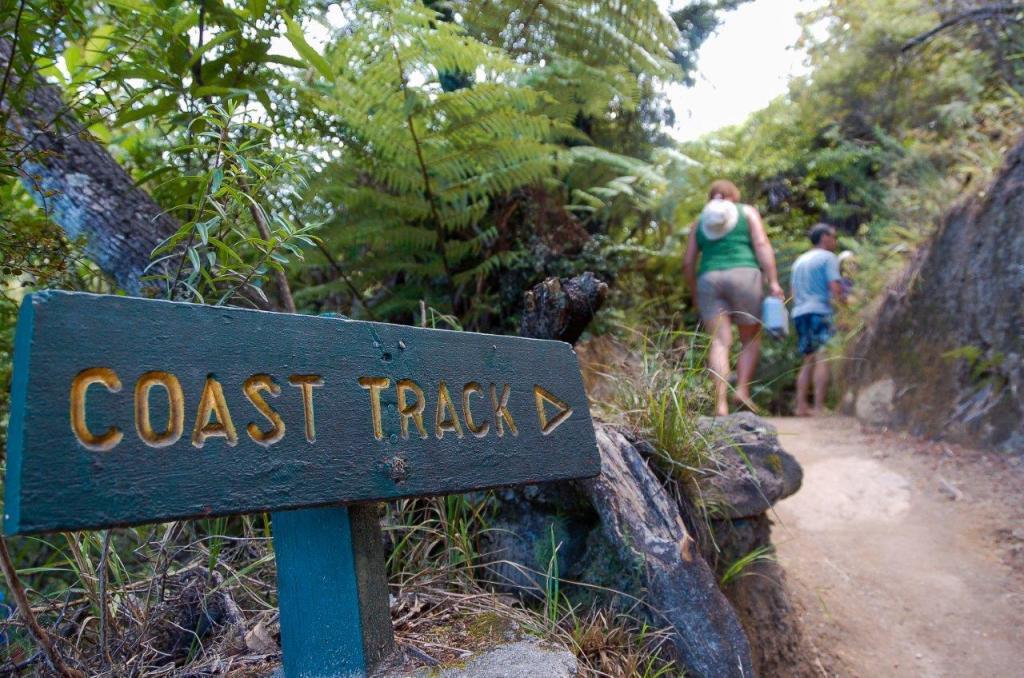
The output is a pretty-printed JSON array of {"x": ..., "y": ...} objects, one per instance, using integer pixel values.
[{"x": 813, "y": 330}]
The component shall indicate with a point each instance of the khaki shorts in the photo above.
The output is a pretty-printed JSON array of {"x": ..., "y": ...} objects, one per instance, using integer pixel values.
[{"x": 736, "y": 291}]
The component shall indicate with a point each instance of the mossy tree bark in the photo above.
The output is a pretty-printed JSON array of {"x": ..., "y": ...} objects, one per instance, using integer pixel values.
[{"x": 75, "y": 180}]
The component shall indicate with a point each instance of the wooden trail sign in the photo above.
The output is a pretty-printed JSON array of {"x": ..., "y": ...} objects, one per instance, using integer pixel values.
[{"x": 127, "y": 411}]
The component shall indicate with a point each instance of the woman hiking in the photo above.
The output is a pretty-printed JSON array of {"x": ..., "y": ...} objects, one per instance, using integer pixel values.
[{"x": 735, "y": 258}]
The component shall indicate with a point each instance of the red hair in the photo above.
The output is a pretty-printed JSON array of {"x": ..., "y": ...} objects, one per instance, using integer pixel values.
[{"x": 723, "y": 188}]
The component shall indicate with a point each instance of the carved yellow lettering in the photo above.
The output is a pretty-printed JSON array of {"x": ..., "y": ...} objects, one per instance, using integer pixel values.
[
  {"x": 413, "y": 411},
  {"x": 442, "y": 421},
  {"x": 542, "y": 395},
  {"x": 501, "y": 411},
  {"x": 175, "y": 409},
  {"x": 252, "y": 387},
  {"x": 375, "y": 385},
  {"x": 212, "y": 403},
  {"x": 79, "y": 385},
  {"x": 467, "y": 390},
  {"x": 307, "y": 382}
]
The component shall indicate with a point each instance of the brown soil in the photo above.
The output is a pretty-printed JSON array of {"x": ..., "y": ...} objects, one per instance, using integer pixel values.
[{"x": 905, "y": 558}]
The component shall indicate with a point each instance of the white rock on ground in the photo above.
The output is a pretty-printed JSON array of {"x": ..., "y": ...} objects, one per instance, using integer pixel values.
[
  {"x": 875, "y": 401},
  {"x": 522, "y": 659}
]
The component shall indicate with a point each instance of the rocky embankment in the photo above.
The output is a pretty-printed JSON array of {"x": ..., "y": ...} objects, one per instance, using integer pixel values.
[
  {"x": 637, "y": 533},
  {"x": 944, "y": 355}
]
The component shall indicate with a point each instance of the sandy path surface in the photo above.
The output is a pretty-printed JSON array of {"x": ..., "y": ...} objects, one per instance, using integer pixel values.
[{"x": 905, "y": 557}]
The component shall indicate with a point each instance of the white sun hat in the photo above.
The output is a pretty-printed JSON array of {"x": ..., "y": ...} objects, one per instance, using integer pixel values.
[{"x": 718, "y": 218}]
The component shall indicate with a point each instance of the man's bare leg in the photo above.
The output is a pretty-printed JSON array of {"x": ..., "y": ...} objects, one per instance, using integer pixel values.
[
  {"x": 750, "y": 336},
  {"x": 821, "y": 374},
  {"x": 803, "y": 385},
  {"x": 718, "y": 361}
]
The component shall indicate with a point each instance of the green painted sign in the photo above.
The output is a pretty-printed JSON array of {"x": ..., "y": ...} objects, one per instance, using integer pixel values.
[{"x": 128, "y": 411}]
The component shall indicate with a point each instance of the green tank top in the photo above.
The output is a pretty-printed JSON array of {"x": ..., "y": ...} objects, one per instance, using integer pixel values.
[{"x": 733, "y": 250}]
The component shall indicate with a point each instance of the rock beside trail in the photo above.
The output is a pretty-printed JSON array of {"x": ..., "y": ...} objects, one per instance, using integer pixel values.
[
  {"x": 873, "y": 402},
  {"x": 748, "y": 471},
  {"x": 752, "y": 472},
  {"x": 944, "y": 354},
  {"x": 761, "y": 598},
  {"x": 645, "y": 525},
  {"x": 537, "y": 527},
  {"x": 623, "y": 532}
]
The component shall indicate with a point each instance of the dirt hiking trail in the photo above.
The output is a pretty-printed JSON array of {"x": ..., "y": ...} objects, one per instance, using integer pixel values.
[{"x": 905, "y": 557}]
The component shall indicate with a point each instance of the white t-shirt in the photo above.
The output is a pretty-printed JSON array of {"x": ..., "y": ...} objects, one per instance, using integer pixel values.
[{"x": 812, "y": 272}]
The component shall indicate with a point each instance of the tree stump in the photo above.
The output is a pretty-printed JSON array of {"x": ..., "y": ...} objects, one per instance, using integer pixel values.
[{"x": 561, "y": 308}]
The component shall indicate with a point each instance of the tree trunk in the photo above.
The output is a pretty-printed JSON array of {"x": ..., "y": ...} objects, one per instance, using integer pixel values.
[
  {"x": 562, "y": 308},
  {"x": 79, "y": 185}
]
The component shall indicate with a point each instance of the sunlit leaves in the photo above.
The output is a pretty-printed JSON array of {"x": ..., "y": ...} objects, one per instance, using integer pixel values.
[
  {"x": 218, "y": 255},
  {"x": 420, "y": 165},
  {"x": 298, "y": 41}
]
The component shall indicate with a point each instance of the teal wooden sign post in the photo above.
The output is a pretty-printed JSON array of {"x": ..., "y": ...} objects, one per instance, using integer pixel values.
[{"x": 127, "y": 411}]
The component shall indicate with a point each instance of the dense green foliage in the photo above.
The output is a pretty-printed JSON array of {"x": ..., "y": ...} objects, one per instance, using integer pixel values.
[
  {"x": 445, "y": 153},
  {"x": 476, "y": 154},
  {"x": 448, "y": 155},
  {"x": 442, "y": 153},
  {"x": 379, "y": 158},
  {"x": 411, "y": 161},
  {"x": 880, "y": 138}
]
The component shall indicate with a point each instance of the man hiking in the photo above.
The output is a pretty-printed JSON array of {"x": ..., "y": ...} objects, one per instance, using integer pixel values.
[{"x": 815, "y": 282}]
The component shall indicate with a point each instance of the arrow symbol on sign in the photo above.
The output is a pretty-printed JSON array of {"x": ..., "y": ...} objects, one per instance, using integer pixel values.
[{"x": 541, "y": 395}]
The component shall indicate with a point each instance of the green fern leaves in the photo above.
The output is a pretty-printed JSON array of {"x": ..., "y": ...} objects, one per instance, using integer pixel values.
[
  {"x": 419, "y": 165},
  {"x": 436, "y": 125}
]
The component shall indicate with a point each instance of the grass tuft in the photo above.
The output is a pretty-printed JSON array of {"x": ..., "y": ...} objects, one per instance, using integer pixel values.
[
  {"x": 741, "y": 567},
  {"x": 657, "y": 388}
]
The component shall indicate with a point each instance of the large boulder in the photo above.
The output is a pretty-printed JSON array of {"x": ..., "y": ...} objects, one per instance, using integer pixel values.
[
  {"x": 750, "y": 471},
  {"x": 623, "y": 532},
  {"x": 535, "y": 530},
  {"x": 624, "y": 537},
  {"x": 944, "y": 356}
]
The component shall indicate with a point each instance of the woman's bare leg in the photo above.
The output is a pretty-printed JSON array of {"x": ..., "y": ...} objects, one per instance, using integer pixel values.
[
  {"x": 750, "y": 336},
  {"x": 718, "y": 360}
]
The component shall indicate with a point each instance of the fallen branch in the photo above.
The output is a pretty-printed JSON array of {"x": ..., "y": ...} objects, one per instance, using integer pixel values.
[
  {"x": 39, "y": 634},
  {"x": 950, "y": 490},
  {"x": 969, "y": 15}
]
